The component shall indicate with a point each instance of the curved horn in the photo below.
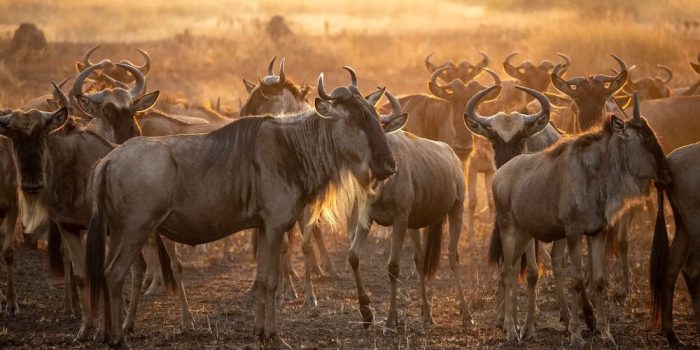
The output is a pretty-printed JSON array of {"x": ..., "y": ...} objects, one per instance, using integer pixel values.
[
  {"x": 262, "y": 88},
  {"x": 473, "y": 103},
  {"x": 78, "y": 83},
  {"x": 435, "y": 88},
  {"x": 484, "y": 61},
  {"x": 353, "y": 75},
  {"x": 269, "y": 66},
  {"x": 546, "y": 106},
  {"x": 636, "y": 114},
  {"x": 282, "y": 75},
  {"x": 88, "y": 53},
  {"x": 496, "y": 78},
  {"x": 140, "y": 85},
  {"x": 619, "y": 81},
  {"x": 58, "y": 93},
  {"x": 668, "y": 71},
  {"x": 146, "y": 67},
  {"x": 114, "y": 82},
  {"x": 395, "y": 106},
  {"x": 560, "y": 83},
  {"x": 60, "y": 85},
  {"x": 509, "y": 67},
  {"x": 321, "y": 91},
  {"x": 696, "y": 66},
  {"x": 431, "y": 67},
  {"x": 566, "y": 58}
]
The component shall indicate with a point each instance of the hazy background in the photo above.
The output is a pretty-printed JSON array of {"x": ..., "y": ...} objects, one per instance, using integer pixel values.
[{"x": 202, "y": 48}]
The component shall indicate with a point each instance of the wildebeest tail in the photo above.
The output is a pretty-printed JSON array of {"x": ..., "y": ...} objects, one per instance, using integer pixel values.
[
  {"x": 55, "y": 252},
  {"x": 495, "y": 246},
  {"x": 165, "y": 265},
  {"x": 97, "y": 230},
  {"x": 658, "y": 261},
  {"x": 433, "y": 245}
]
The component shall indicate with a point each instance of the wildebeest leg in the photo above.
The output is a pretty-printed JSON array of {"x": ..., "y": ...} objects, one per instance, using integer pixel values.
[
  {"x": 588, "y": 314},
  {"x": 598, "y": 275},
  {"x": 77, "y": 256},
  {"x": 254, "y": 239},
  {"x": 678, "y": 257},
  {"x": 454, "y": 218},
  {"x": 273, "y": 237},
  {"x": 138, "y": 270},
  {"x": 528, "y": 331},
  {"x": 577, "y": 288},
  {"x": 8, "y": 253},
  {"x": 558, "y": 254},
  {"x": 285, "y": 278},
  {"x": 623, "y": 227},
  {"x": 354, "y": 260},
  {"x": 323, "y": 251},
  {"x": 488, "y": 177},
  {"x": 509, "y": 238},
  {"x": 692, "y": 279},
  {"x": 307, "y": 249},
  {"x": 68, "y": 287},
  {"x": 186, "y": 320},
  {"x": 418, "y": 257},
  {"x": 398, "y": 233},
  {"x": 472, "y": 202}
]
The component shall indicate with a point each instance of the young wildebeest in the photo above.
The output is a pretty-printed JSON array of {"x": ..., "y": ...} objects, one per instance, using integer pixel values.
[
  {"x": 665, "y": 264},
  {"x": 427, "y": 189},
  {"x": 114, "y": 117},
  {"x": 257, "y": 172},
  {"x": 579, "y": 187},
  {"x": 511, "y": 135}
]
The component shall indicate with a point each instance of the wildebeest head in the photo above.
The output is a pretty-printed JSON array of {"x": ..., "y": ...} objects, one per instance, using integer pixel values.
[
  {"x": 110, "y": 73},
  {"x": 533, "y": 76},
  {"x": 590, "y": 93},
  {"x": 28, "y": 131},
  {"x": 463, "y": 71},
  {"x": 115, "y": 108},
  {"x": 648, "y": 87},
  {"x": 359, "y": 130},
  {"x": 639, "y": 143},
  {"x": 274, "y": 94},
  {"x": 507, "y": 133},
  {"x": 459, "y": 92}
]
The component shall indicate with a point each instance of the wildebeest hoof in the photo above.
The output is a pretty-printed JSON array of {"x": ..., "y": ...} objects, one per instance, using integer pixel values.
[
  {"x": 119, "y": 344},
  {"x": 390, "y": 327},
  {"x": 186, "y": 324},
  {"x": 12, "y": 309},
  {"x": 576, "y": 341},
  {"x": 82, "y": 334},
  {"x": 274, "y": 342},
  {"x": 527, "y": 333},
  {"x": 367, "y": 315},
  {"x": 428, "y": 320},
  {"x": 310, "y": 299},
  {"x": 128, "y": 327},
  {"x": 590, "y": 321}
]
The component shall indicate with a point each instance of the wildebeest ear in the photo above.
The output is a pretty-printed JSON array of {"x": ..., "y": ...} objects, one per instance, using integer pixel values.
[
  {"x": 324, "y": 108},
  {"x": 557, "y": 100},
  {"x": 393, "y": 123},
  {"x": 87, "y": 105},
  {"x": 617, "y": 125},
  {"x": 538, "y": 125},
  {"x": 249, "y": 86},
  {"x": 374, "y": 97},
  {"x": 146, "y": 101},
  {"x": 57, "y": 119},
  {"x": 476, "y": 127}
]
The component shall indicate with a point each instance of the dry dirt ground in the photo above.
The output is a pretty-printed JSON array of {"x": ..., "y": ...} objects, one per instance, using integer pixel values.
[{"x": 224, "y": 314}]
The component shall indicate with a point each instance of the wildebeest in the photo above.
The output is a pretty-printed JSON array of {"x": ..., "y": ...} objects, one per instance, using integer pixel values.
[
  {"x": 428, "y": 188},
  {"x": 256, "y": 172},
  {"x": 581, "y": 186},
  {"x": 693, "y": 89},
  {"x": 511, "y": 135},
  {"x": 527, "y": 74},
  {"x": 463, "y": 71},
  {"x": 589, "y": 95},
  {"x": 28, "y": 41},
  {"x": 664, "y": 115},
  {"x": 9, "y": 209},
  {"x": 665, "y": 263},
  {"x": 650, "y": 87},
  {"x": 110, "y": 72}
]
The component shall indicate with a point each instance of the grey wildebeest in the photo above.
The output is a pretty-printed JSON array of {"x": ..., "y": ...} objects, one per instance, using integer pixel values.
[
  {"x": 581, "y": 186},
  {"x": 114, "y": 115},
  {"x": 427, "y": 190},
  {"x": 254, "y": 173},
  {"x": 109, "y": 71},
  {"x": 511, "y": 135},
  {"x": 665, "y": 263},
  {"x": 28, "y": 41},
  {"x": 439, "y": 118},
  {"x": 463, "y": 71},
  {"x": 9, "y": 209}
]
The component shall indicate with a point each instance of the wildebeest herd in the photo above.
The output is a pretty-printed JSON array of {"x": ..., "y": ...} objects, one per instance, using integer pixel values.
[{"x": 115, "y": 180}]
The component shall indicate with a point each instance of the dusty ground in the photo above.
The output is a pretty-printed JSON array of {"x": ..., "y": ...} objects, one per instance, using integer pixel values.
[{"x": 224, "y": 314}]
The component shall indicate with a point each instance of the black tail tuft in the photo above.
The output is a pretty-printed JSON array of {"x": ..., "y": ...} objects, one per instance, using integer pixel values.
[
  {"x": 165, "y": 265},
  {"x": 55, "y": 252},
  {"x": 95, "y": 247},
  {"x": 433, "y": 246},
  {"x": 496, "y": 246},
  {"x": 658, "y": 261}
]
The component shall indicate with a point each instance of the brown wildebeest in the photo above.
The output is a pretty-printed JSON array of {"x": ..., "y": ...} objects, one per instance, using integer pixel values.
[
  {"x": 439, "y": 118},
  {"x": 581, "y": 187},
  {"x": 428, "y": 188},
  {"x": 665, "y": 264},
  {"x": 45, "y": 102},
  {"x": 336, "y": 151},
  {"x": 463, "y": 71},
  {"x": 110, "y": 72},
  {"x": 511, "y": 135},
  {"x": 666, "y": 114},
  {"x": 650, "y": 87},
  {"x": 9, "y": 209},
  {"x": 28, "y": 42},
  {"x": 692, "y": 89},
  {"x": 527, "y": 74},
  {"x": 589, "y": 95}
]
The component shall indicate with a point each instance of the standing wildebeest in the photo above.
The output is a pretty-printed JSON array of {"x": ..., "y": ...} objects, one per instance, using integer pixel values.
[
  {"x": 581, "y": 187},
  {"x": 528, "y": 75},
  {"x": 650, "y": 88},
  {"x": 428, "y": 188},
  {"x": 110, "y": 72},
  {"x": 665, "y": 264},
  {"x": 463, "y": 71},
  {"x": 439, "y": 118},
  {"x": 257, "y": 172},
  {"x": 8, "y": 215},
  {"x": 28, "y": 41},
  {"x": 511, "y": 135}
]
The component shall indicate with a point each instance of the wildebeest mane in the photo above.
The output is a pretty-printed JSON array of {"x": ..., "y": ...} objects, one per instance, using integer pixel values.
[{"x": 235, "y": 139}]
